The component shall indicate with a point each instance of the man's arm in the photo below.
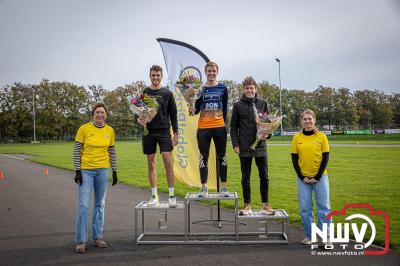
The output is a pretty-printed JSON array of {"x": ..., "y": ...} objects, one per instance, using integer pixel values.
[
  {"x": 173, "y": 113},
  {"x": 235, "y": 127}
]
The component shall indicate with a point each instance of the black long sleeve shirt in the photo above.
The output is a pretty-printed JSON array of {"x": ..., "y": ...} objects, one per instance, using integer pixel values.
[{"x": 166, "y": 111}]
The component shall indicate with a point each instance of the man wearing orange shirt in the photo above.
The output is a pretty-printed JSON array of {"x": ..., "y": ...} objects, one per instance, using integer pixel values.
[{"x": 212, "y": 106}]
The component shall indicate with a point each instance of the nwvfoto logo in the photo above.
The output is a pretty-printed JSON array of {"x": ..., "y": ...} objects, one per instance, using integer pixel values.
[
  {"x": 340, "y": 232},
  {"x": 338, "y": 237}
]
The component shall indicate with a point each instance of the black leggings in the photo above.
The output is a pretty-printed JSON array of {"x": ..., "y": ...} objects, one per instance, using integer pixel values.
[
  {"x": 204, "y": 136},
  {"x": 262, "y": 165}
]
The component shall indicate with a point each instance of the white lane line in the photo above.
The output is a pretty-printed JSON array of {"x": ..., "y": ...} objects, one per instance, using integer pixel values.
[{"x": 14, "y": 157}]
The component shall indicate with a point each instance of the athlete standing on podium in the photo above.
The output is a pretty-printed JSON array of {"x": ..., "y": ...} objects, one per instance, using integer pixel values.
[
  {"x": 159, "y": 132},
  {"x": 212, "y": 106}
]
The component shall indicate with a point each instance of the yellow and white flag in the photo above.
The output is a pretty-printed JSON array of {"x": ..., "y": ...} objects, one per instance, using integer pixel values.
[{"x": 180, "y": 59}]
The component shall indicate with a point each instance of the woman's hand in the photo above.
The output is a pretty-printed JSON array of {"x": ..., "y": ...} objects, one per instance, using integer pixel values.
[
  {"x": 78, "y": 177},
  {"x": 115, "y": 178},
  {"x": 310, "y": 180}
]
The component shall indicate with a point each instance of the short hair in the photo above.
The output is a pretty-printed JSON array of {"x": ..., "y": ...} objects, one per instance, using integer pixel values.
[
  {"x": 156, "y": 68},
  {"x": 249, "y": 81},
  {"x": 211, "y": 64},
  {"x": 97, "y": 105}
]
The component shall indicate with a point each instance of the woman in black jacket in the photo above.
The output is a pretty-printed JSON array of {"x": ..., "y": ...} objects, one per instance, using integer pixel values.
[{"x": 243, "y": 135}]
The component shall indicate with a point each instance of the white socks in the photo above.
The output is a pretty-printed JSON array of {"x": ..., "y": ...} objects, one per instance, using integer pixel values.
[
  {"x": 171, "y": 192},
  {"x": 154, "y": 191}
]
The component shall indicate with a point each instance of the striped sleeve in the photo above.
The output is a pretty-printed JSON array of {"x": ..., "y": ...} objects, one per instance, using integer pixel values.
[
  {"x": 113, "y": 158},
  {"x": 77, "y": 155}
]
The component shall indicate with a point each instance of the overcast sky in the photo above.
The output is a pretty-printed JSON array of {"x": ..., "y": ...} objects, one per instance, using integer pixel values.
[{"x": 350, "y": 43}]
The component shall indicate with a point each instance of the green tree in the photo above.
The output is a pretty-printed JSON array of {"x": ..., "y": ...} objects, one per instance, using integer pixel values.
[
  {"x": 395, "y": 103},
  {"x": 374, "y": 109},
  {"x": 298, "y": 101},
  {"x": 324, "y": 104},
  {"x": 345, "y": 109},
  {"x": 96, "y": 93},
  {"x": 16, "y": 112},
  {"x": 120, "y": 116}
]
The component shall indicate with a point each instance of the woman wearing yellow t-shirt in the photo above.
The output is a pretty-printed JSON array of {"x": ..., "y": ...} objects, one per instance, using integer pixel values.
[
  {"x": 310, "y": 155},
  {"x": 94, "y": 152}
]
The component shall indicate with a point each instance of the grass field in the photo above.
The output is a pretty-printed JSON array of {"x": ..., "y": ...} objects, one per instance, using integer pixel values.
[
  {"x": 351, "y": 139},
  {"x": 357, "y": 174}
]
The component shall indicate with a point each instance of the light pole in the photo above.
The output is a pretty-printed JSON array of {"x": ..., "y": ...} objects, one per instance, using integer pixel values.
[
  {"x": 280, "y": 92},
  {"x": 34, "y": 114}
]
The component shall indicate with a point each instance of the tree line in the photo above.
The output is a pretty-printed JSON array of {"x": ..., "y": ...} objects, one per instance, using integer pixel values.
[{"x": 61, "y": 107}]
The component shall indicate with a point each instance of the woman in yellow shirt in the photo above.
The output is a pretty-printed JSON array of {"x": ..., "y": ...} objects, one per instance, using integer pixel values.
[
  {"x": 94, "y": 152},
  {"x": 310, "y": 155}
]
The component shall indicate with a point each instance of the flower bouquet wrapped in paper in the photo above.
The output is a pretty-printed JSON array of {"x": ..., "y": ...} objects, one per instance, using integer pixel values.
[
  {"x": 189, "y": 86},
  {"x": 266, "y": 124},
  {"x": 145, "y": 107}
]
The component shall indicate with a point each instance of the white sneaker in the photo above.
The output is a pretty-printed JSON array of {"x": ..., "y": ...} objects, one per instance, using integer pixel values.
[
  {"x": 203, "y": 192},
  {"x": 266, "y": 209},
  {"x": 224, "y": 192},
  {"x": 306, "y": 241},
  {"x": 246, "y": 211},
  {"x": 153, "y": 202},
  {"x": 172, "y": 201}
]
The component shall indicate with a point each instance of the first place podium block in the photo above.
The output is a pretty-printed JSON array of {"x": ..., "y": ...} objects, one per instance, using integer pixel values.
[{"x": 211, "y": 237}]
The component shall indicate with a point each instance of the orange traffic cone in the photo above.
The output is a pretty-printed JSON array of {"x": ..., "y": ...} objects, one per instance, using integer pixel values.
[
  {"x": 46, "y": 171},
  {"x": 1, "y": 175}
]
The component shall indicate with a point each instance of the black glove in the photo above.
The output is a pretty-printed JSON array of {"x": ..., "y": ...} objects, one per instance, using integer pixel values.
[
  {"x": 115, "y": 178},
  {"x": 78, "y": 177}
]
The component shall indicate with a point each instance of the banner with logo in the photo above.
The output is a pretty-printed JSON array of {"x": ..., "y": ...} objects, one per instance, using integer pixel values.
[{"x": 180, "y": 59}]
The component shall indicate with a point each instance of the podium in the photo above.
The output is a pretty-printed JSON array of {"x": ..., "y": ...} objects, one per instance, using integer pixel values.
[
  {"x": 264, "y": 235},
  {"x": 211, "y": 237},
  {"x": 182, "y": 231},
  {"x": 160, "y": 236}
]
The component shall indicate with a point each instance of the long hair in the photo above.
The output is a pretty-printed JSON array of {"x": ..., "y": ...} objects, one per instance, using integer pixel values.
[{"x": 308, "y": 112}]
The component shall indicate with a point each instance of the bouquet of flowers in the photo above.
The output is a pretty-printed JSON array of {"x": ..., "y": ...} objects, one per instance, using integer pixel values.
[
  {"x": 266, "y": 124},
  {"x": 189, "y": 86},
  {"x": 145, "y": 107}
]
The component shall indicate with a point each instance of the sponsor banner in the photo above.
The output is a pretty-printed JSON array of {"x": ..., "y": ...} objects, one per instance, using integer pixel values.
[
  {"x": 392, "y": 131},
  {"x": 359, "y": 132},
  {"x": 379, "y": 131},
  {"x": 338, "y": 132}
]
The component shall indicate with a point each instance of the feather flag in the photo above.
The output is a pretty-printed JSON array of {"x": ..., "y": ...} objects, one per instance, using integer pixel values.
[{"x": 182, "y": 59}]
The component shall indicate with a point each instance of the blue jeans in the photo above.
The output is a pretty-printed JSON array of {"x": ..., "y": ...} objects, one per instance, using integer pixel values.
[
  {"x": 321, "y": 192},
  {"x": 96, "y": 179}
]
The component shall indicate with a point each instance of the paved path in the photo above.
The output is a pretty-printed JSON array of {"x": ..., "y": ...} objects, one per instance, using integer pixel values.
[{"x": 37, "y": 214}]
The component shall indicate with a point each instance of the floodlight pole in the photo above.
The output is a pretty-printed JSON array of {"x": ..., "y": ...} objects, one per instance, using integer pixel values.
[
  {"x": 34, "y": 114},
  {"x": 280, "y": 93}
]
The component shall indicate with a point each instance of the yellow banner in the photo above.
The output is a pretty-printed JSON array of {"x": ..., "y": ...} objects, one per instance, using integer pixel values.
[{"x": 186, "y": 154}]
